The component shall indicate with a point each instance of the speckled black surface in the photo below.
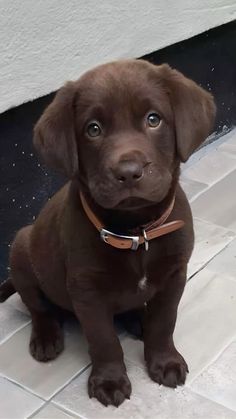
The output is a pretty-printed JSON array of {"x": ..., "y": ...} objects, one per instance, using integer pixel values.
[{"x": 25, "y": 185}]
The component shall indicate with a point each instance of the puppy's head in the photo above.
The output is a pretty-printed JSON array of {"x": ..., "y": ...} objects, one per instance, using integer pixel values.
[{"x": 123, "y": 129}]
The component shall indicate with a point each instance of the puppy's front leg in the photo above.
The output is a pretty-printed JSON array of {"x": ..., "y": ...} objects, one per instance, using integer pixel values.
[
  {"x": 108, "y": 381},
  {"x": 164, "y": 363}
]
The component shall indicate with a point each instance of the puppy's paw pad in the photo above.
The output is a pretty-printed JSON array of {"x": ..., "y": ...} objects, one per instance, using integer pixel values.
[
  {"x": 108, "y": 391},
  {"x": 169, "y": 372},
  {"x": 46, "y": 348}
]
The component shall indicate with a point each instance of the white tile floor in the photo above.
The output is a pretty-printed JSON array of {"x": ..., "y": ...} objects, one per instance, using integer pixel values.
[{"x": 205, "y": 331}]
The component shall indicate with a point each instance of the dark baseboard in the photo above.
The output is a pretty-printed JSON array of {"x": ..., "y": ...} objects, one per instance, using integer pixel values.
[{"x": 25, "y": 184}]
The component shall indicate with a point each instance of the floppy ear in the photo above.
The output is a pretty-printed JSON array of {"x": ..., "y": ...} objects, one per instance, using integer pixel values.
[
  {"x": 54, "y": 133},
  {"x": 194, "y": 111}
]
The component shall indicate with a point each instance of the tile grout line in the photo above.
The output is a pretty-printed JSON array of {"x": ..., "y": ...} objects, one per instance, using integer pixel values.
[
  {"x": 63, "y": 409},
  {"x": 209, "y": 186},
  {"x": 45, "y": 401},
  {"x": 69, "y": 411},
  {"x": 15, "y": 331},
  {"x": 29, "y": 390},
  {"x": 37, "y": 410},
  {"x": 210, "y": 147},
  {"x": 213, "y": 257},
  {"x": 78, "y": 374},
  {"x": 50, "y": 400},
  {"x": 226, "y": 229},
  {"x": 212, "y": 361},
  {"x": 22, "y": 387},
  {"x": 212, "y": 401}
]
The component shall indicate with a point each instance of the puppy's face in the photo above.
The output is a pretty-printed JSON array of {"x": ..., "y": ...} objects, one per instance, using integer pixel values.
[
  {"x": 125, "y": 135},
  {"x": 123, "y": 129}
]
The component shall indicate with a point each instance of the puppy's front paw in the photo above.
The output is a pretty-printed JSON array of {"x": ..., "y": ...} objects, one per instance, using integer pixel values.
[
  {"x": 46, "y": 344},
  {"x": 168, "y": 368},
  {"x": 110, "y": 385}
]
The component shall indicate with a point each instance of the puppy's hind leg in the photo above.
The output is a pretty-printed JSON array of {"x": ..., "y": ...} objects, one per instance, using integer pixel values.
[{"x": 46, "y": 340}]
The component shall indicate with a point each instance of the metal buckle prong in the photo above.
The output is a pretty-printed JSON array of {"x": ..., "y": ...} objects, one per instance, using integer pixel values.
[
  {"x": 146, "y": 244},
  {"x": 135, "y": 239}
]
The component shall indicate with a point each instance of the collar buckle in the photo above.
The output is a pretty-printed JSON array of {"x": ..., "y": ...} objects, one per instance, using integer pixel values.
[
  {"x": 105, "y": 233},
  {"x": 146, "y": 244}
]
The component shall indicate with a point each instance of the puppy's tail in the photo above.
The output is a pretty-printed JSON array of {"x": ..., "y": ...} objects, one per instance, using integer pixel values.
[{"x": 6, "y": 290}]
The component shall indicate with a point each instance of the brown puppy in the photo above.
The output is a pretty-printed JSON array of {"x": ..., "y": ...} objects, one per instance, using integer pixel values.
[{"x": 119, "y": 133}]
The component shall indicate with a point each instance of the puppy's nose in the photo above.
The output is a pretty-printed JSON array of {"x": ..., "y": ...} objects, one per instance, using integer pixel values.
[{"x": 128, "y": 172}]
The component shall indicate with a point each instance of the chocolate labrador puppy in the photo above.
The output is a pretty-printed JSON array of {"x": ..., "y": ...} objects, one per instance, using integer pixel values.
[{"x": 118, "y": 236}]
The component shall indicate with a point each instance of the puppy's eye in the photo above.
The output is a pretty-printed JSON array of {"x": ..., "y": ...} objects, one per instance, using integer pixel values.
[
  {"x": 153, "y": 120},
  {"x": 93, "y": 129}
]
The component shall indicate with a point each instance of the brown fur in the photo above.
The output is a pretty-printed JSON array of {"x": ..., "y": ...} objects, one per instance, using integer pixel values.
[{"x": 61, "y": 258}]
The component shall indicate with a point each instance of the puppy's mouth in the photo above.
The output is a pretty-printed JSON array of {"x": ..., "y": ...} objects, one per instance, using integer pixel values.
[
  {"x": 133, "y": 203},
  {"x": 128, "y": 200}
]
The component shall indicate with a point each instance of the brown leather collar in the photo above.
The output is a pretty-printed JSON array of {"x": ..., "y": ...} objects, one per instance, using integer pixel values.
[{"x": 149, "y": 231}]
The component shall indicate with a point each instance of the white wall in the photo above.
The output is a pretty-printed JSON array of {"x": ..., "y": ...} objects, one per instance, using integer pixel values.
[{"x": 45, "y": 42}]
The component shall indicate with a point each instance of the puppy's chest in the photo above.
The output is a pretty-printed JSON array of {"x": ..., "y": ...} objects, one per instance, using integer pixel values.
[
  {"x": 132, "y": 296},
  {"x": 138, "y": 280},
  {"x": 133, "y": 287}
]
